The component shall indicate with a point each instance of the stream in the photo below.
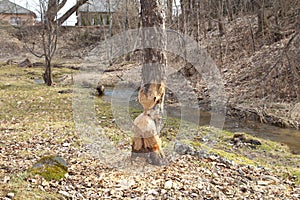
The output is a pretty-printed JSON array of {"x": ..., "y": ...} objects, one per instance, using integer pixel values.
[{"x": 290, "y": 137}]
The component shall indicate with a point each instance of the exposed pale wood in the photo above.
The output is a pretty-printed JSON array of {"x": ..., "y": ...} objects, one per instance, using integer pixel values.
[{"x": 151, "y": 95}]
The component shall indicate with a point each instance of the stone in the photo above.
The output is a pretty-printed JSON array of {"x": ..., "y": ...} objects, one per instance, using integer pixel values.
[
  {"x": 10, "y": 195},
  {"x": 152, "y": 191},
  {"x": 66, "y": 144},
  {"x": 6, "y": 179},
  {"x": 50, "y": 168},
  {"x": 182, "y": 149},
  {"x": 168, "y": 185},
  {"x": 194, "y": 195},
  {"x": 64, "y": 193},
  {"x": 163, "y": 191}
]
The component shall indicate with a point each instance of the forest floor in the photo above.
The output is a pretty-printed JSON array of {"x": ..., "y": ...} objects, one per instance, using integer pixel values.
[{"x": 37, "y": 120}]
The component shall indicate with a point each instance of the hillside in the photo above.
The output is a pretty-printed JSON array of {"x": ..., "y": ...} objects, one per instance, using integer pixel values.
[{"x": 261, "y": 76}]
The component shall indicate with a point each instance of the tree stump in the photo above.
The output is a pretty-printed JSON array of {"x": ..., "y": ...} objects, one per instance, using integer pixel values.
[
  {"x": 25, "y": 63},
  {"x": 100, "y": 89},
  {"x": 146, "y": 142},
  {"x": 147, "y": 126}
]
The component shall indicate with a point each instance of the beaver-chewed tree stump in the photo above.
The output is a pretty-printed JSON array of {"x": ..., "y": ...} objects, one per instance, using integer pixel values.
[
  {"x": 147, "y": 126},
  {"x": 146, "y": 142}
]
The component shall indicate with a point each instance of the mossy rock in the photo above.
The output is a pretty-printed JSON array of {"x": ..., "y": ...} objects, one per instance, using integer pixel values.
[{"x": 50, "y": 168}]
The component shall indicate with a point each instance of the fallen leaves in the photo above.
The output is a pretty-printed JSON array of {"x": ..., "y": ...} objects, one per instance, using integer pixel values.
[{"x": 32, "y": 130}]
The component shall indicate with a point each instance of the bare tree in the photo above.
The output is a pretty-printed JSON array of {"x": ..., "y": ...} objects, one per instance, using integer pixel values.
[
  {"x": 170, "y": 11},
  {"x": 50, "y": 31},
  {"x": 261, "y": 16},
  {"x": 49, "y": 36},
  {"x": 184, "y": 15},
  {"x": 221, "y": 24},
  {"x": 146, "y": 141}
]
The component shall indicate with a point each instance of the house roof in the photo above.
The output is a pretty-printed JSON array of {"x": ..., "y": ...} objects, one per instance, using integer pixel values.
[
  {"x": 8, "y": 7},
  {"x": 101, "y": 6}
]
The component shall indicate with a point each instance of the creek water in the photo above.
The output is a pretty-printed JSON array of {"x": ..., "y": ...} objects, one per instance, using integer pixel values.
[{"x": 290, "y": 137}]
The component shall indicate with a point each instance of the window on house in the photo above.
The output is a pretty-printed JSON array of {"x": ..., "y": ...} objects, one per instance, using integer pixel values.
[{"x": 15, "y": 21}]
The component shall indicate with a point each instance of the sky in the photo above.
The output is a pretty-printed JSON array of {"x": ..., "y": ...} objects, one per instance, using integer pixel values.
[{"x": 33, "y": 5}]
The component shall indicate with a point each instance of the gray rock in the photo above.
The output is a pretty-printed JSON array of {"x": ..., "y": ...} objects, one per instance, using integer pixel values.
[
  {"x": 50, "y": 167},
  {"x": 64, "y": 193},
  {"x": 183, "y": 149},
  {"x": 168, "y": 185},
  {"x": 10, "y": 195}
]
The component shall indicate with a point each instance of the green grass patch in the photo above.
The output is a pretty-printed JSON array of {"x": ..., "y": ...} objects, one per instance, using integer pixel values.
[{"x": 23, "y": 190}]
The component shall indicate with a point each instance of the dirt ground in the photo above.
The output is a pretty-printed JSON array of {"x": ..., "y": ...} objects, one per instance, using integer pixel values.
[{"x": 37, "y": 121}]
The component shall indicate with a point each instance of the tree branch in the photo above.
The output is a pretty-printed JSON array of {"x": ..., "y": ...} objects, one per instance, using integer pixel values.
[
  {"x": 62, "y": 4},
  {"x": 63, "y": 18}
]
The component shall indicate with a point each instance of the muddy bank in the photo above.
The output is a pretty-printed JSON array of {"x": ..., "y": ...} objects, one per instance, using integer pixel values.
[{"x": 265, "y": 115}]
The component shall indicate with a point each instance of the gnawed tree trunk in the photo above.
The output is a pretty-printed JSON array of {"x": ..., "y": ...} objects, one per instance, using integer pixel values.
[{"x": 147, "y": 126}]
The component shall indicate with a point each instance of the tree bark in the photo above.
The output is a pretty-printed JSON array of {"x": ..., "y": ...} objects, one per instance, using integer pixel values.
[
  {"x": 184, "y": 17},
  {"x": 261, "y": 17},
  {"x": 49, "y": 37},
  {"x": 209, "y": 23},
  {"x": 47, "y": 76},
  {"x": 221, "y": 25},
  {"x": 126, "y": 27},
  {"x": 170, "y": 12},
  {"x": 229, "y": 9},
  {"x": 147, "y": 126},
  {"x": 197, "y": 8}
]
